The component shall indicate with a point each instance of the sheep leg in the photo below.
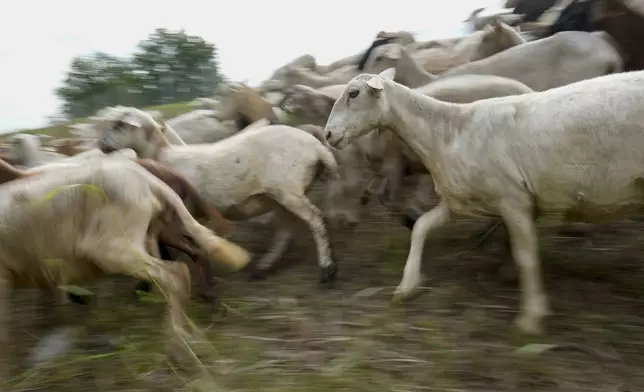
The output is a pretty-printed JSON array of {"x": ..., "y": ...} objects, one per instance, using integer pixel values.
[
  {"x": 163, "y": 252},
  {"x": 172, "y": 237},
  {"x": 6, "y": 353},
  {"x": 522, "y": 230},
  {"x": 280, "y": 243},
  {"x": 172, "y": 279},
  {"x": 429, "y": 221},
  {"x": 302, "y": 208}
]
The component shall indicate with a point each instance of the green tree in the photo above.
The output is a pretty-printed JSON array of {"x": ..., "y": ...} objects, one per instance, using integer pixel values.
[
  {"x": 176, "y": 66},
  {"x": 97, "y": 81},
  {"x": 168, "y": 67}
]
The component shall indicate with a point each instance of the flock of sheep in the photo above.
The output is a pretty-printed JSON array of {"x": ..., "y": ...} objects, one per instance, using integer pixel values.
[{"x": 495, "y": 125}]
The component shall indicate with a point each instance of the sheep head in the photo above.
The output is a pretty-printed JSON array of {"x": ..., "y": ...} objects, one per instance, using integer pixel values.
[
  {"x": 383, "y": 57},
  {"x": 498, "y": 36},
  {"x": 359, "y": 109},
  {"x": 127, "y": 127},
  {"x": 307, "y": 103},
  {"x": 243, "y": 104}
]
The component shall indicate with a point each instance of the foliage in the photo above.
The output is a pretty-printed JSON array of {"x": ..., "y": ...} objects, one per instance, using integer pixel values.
[{"x": 168, "y": 67}]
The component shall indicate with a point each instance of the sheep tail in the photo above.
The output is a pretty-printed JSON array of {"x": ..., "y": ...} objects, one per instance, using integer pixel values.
[
  {"x": 618, "y": 65},
  {"x": 325, "y": 155},
  {"x": 218, "y": 249},
  {"x": 325, "y": 150}
]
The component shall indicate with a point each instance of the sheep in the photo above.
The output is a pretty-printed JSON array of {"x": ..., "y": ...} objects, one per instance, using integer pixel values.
[
  {"x": 93, "y": 220},
  {"x": 244, "y": 106},
  {"x": 27, "y": 151},
  {"x": 479, "y": 22},
  {"x": 495, "y": 38},
  {"x": 246, "y": 175},
  {"x": 168, "y": 237},
  {"x": 390, "y": 159},
  {"x": 117, "y": 111},
  {"x": 71, "y": 146},
  {"x": 480, "y": 44},
  {"x": 573, "y": 151},
  {"x": 307, "y": 77},
  {"x": 560, "y": 59},
  {"x": 314, "y": 106},
  {"x": 308, "y": 105},
  {"x": 200, "y": 126},
  {"x": 352, "y": 61},
  {"x": 276, "y": 79}
]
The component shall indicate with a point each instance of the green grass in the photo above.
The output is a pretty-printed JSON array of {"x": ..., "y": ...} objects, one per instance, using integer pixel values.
[{"x": 62, "y": 131}]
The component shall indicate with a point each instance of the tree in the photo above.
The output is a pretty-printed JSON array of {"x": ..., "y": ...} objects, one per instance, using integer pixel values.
[
  {"x": 168, "y": 67},
  {"x": 176, "y": 67},
  {"x": 97, "y": 81}
]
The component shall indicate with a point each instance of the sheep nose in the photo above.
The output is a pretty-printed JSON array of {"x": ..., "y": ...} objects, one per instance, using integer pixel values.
[
  {"x": 105, "y": 148},
  {"x": 327, "y": 135}
]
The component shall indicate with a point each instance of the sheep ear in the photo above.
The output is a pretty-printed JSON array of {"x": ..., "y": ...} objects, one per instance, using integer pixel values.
[
  {"x": 389, "y": 74},
  {"x": 375, "y": 84},
  {"x": 131, "y": 121},
  {"x": 164, "y": 126},
  {"x": 324, "y": 101}
]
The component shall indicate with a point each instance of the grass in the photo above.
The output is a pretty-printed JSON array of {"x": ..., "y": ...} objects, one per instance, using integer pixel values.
[
  {"x": 288, "y": 334},
  {"x": 61, "y": 130}
]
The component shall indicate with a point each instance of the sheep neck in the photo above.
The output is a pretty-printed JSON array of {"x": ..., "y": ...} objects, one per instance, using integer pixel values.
[
  {"x": 156, "y": 148},
  {"x": 309, "y": 78},
  {"x": 411, "y": 73},
  {"x": 427, "y": 125},
  {"x": 173, "y": 135}
]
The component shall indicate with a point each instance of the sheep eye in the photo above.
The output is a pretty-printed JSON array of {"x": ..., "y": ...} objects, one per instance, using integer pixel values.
[
  {"x": 118, "y": 125},
  {"x": 353, "y": 93}
]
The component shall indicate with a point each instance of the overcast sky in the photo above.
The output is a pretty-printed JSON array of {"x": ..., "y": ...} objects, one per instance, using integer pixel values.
[{"x": 253, "y": 37}]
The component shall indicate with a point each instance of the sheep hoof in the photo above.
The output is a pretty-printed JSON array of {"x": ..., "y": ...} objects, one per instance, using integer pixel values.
[
  {"x": 528, "y": 326},
  {"x": 77, "y": 299},
  {"x": 400, "y": 297},
  {"x": 408, "y": 222},
  {"x": 329, "y": 273},
  {"x": 143, "y": 286},
  {"x": 364, "y": 200},
  {"x": 257, "y": 274}
]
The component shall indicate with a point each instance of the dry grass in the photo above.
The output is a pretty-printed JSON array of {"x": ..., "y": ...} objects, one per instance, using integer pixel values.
[{"x": 287, "y": 334}]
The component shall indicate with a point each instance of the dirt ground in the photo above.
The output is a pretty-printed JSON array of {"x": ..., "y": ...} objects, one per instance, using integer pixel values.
[{"x": 288, "y": 334}]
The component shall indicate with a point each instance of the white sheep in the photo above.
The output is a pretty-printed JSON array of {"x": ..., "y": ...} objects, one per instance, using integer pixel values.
[
  {"x": 243, "y": 176},
  {"x": 391, "y": 161},
  {"x": 495, "y": 38},
  {"x": 573, "y": 152},
  {"x": 93, "y": 220},
  {"x": 560, "y": 59},
  {"x": 27, "y": 151},
  {"x": 387, "y": 157},
  {"x": 200, "y": 126},
  {"x": 112, "y": 112}
]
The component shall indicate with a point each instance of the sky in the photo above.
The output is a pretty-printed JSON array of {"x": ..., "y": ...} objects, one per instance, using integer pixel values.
[{"x": 253, "y": 37}]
